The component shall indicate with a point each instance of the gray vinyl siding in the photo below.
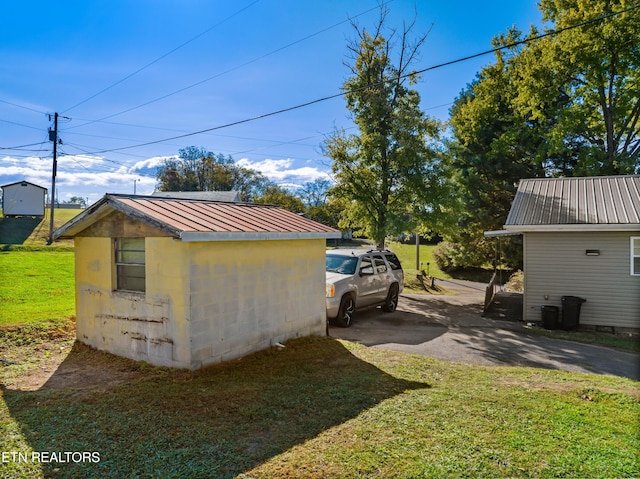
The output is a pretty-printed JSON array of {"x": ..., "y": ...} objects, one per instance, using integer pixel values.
[{"x": 556, "y": 265}]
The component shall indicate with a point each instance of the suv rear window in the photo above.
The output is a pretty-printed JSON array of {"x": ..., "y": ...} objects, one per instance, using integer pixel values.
[{"x": 393, "y": 260}]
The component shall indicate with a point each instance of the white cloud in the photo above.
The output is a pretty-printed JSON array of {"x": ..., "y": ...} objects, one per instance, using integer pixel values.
[
  {"x": 281, "y": 171},
  {"x": 93, "y": 176},
  {"x": 80, "y": 175},
  {"x": 151, "y": 162}
]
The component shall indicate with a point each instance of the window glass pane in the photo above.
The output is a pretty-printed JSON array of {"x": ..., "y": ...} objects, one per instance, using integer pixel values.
[
  {"x": 393, "y": 260},
  {"x": 341, "y": 264},
  {"x": 130, "y": 257},
  {"x": 381, "y": 267},
  {"x": 131, "y": 243},
  {"x": 636, "y": 246},
  {"x": 130, "y": 264},
  {"x": 131, "y": 278},
  {"x": 365, "y": 262},
  {"x": 636, "y": 265}
]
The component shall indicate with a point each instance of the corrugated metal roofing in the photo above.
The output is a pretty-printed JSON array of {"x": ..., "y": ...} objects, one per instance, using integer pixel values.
[
  {"x": 198, "y": 220},
  {"x": 230, "y": 196},
  {"x": 597, "y": 200}
]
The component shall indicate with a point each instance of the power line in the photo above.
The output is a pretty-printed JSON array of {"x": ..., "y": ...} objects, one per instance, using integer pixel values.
[
  {"x": 161, "y": 57},
  {"x": 23, "y": 107},
  {"x": 23, "y": 147},
  {"x": 411, "y": 74},
  {"x": 20, "y": 124},
  {"x": 524, "y": 41},
  {"x": 217, "y": 75}
]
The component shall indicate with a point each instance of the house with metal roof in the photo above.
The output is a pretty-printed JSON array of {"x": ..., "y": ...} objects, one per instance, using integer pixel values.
[
  {"x": 581, "y": 240},
  {"x": 186, "y": 283}
]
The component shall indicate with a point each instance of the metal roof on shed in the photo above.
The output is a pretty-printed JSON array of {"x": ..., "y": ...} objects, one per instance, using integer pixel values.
[
  {"x": 598, "y": 201},
  {"x": 198, "y": 220}
]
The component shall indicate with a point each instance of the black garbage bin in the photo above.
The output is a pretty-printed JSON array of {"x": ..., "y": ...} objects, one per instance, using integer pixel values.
[
  {"x": 550, "y": 317},
  {"x": 571, "y": 312}
]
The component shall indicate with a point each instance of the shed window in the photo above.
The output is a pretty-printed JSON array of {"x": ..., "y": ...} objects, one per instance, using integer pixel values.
[
  {"x": 130, "y": 264},
  {"x": 635, "y": 255}
]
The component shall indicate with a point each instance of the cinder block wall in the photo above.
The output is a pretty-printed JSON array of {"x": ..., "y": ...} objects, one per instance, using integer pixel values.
[
  {"x": 151, "y": 326},
  {"x": 204, "y": 302},
  {"x": 248, "y": 295}
]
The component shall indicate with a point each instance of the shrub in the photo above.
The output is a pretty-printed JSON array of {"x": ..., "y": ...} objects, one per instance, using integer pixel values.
[{"x": 516, "y": 282}]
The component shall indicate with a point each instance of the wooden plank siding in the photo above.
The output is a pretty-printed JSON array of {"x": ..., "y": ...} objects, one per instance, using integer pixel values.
[{"x": 556, "y": 265}]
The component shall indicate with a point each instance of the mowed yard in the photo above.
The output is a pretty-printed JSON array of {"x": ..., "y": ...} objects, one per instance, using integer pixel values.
[{"x": 318, "y": 407}]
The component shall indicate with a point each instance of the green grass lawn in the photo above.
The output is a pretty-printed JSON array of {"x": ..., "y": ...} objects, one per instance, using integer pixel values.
[
  {"x": 407, "y": 255},
  {"x": 318, "y": 408},
  {"x": 322, "y": 408},
  {"x": 36, "y": 285},
  {"x": 34, "y": 231}
]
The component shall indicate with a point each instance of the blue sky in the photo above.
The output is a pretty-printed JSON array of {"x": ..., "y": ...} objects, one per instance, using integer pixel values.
[{"x": 125, "y": 73}]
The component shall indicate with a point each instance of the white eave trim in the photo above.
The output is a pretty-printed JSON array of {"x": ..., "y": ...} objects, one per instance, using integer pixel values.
[
  {"x": 192, "y": 236},
  {"x": 497, "y": 233},
  {"x": 572, "y": 227}
]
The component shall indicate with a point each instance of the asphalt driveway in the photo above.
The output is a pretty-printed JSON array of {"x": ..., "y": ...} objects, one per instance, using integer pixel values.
[{"x": 451, "y": 328}]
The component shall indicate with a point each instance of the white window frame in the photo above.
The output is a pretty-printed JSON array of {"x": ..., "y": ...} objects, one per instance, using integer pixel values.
[
  {"x": 635, "y": 242},
  {"x": 123, "y": 264}
]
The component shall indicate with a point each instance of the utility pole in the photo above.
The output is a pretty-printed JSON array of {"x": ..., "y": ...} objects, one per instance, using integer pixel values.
[
  {"x": 418, "y": 252},
  {"x": 53, "y": 136}
]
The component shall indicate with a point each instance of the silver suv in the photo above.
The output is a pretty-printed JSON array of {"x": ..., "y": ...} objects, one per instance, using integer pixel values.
[{"x": 357, "y": 278}]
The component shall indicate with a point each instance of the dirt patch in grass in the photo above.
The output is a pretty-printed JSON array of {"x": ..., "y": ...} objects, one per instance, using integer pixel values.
[{"x": 29, "y": 357}]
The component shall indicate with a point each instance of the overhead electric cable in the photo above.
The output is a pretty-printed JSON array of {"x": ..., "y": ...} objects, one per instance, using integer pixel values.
[
  {"x": 20, "y": 124},
  {"x": 22, "y": 147},
  {"x": 22, "y": 106},
  {"x": 237, "y": 67},
  {"x": 160, "y": 57},
  {"x": 524, "y": 41},
  {"x": 417, "y": 72}
]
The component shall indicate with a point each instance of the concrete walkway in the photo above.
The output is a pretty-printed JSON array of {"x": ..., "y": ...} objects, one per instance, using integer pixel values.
[{"x": 451, "y": 328}]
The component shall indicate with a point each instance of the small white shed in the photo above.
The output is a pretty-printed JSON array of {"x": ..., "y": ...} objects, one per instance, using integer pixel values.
[{"x": 23, "y": 199}]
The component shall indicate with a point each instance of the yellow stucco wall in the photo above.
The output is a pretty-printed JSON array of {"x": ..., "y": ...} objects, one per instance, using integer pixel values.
[
  {"x": 151, "y": 326},
  {"x": 204, "y": 302},
  {"x": 248, "y": 295}
]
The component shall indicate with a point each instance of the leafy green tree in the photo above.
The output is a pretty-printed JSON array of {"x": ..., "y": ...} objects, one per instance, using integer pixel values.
[
  {"x": 78, "y": 200},
  {"x": 595, "y": 70},
  {"x": 389, "y": 174},
  {"x": 493, "y": 146},
  {"x": 197, "y": 169},
  {"x": 277, "y": 195},
  {"x": 563, "y": 105}
]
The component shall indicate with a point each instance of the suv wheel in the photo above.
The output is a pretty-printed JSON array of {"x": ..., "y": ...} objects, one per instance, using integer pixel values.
[
  {"x": 391, "y": 302},
  {"x": 345, "y": 313}
]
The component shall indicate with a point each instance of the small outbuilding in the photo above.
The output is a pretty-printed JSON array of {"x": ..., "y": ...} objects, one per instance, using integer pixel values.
[
  {"x": 581, "y": 242},
  {"x": 23, "y": 199},
  {"x": 186, "y": 283}
]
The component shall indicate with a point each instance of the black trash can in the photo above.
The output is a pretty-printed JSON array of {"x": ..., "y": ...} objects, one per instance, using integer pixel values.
[
  {"x": 571, "y": 312},
  {"x": 550, "y": 317}
]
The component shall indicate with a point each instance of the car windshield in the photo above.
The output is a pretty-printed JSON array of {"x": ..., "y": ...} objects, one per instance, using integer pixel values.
[{"x": 342, "y": 264}]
